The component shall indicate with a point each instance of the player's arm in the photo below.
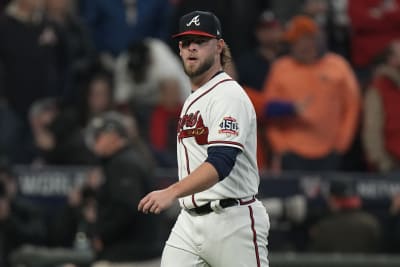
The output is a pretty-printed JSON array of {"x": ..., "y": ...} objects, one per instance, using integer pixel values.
[
  {"x": 216, "y": 167},
  {"x": 202, "y": 178}
]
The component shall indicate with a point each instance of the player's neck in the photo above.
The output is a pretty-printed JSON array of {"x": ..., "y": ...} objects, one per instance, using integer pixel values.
[{"x": 200, "y": 80}]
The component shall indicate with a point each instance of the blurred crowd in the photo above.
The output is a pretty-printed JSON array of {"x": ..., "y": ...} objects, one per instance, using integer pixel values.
[{"x": 99, "y": 83}]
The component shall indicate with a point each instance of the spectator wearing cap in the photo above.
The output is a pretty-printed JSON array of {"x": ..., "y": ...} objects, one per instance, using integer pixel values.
[
  {"x": 347, "y": 228},
  {"x": 312, "y": 103},
  {"x": 253, "y": 69},
  {"x": 121, "y": 233},
  {"x": 253, "y": 66}
]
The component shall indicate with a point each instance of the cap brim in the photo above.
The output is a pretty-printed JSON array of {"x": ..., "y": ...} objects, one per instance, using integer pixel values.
[{"x": 199, "y": 33}]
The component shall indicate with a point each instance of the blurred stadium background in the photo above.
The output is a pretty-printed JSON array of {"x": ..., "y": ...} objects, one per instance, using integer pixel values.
[{"x": 64, "y": 63}]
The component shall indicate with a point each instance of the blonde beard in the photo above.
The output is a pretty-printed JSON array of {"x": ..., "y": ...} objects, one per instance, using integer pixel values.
[{"x": 204, "y": 67}]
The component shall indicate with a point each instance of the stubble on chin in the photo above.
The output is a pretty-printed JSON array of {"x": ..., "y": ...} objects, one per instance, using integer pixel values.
[
  {"x": 190, "y": 70},
  {"x": 193, "y": 71}
]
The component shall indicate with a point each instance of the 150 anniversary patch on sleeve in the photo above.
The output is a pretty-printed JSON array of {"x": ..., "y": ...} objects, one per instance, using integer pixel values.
[{"x": 229, "y": 125}]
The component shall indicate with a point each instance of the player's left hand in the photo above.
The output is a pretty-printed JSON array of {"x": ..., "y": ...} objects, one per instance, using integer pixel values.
[{"x": 156, "y": 201}]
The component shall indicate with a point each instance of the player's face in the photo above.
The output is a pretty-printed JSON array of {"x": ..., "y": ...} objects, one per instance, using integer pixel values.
[{"x": 198, "y": 54}]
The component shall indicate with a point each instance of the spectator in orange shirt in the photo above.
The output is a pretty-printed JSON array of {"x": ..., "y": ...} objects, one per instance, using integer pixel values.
[{"x": 313, "y": 103}]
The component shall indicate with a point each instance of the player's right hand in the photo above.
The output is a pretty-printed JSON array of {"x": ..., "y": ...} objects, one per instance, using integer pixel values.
[{"x": 157, "y": 201}]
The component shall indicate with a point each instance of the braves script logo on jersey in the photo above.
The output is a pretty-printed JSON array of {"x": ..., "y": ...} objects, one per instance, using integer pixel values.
[
  {"x": 192, "y": 125},
  {"x": 195, "y": 20},
  {"x": 229, "y": 125}
]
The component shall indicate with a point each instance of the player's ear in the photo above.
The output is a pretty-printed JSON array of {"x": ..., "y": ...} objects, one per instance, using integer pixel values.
[{"x": 220, "y": 44}]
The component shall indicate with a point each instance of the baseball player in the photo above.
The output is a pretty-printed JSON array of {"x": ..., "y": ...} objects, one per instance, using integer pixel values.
[{"x": 221, "y": 223}]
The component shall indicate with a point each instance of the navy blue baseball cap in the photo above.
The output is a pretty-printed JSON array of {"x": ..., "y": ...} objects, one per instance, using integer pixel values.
[{"x": 202, "y": 23}]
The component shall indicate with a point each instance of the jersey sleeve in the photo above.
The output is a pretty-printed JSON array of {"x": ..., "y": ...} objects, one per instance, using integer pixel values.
[{"x": 229, "y": 117}]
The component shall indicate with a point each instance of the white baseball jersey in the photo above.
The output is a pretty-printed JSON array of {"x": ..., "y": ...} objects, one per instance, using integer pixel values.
[{"x": 219, "y": 113}]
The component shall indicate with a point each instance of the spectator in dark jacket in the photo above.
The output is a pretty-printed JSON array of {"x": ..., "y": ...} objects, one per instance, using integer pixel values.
[
  {"x": 32, "y": 55},
  {"x": 73, "y": 223},
  {"x": 80, "y": 51},
  {"x": 253, "y": 65},
  {"x": 122, "y": 234},
  {"x": 32, "y": 52}
]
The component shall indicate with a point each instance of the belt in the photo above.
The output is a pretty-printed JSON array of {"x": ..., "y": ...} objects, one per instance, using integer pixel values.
[{"x": 219, "y": 205}]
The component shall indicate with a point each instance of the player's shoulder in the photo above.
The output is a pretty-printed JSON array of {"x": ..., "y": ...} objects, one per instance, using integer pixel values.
[
  {"x": 223, "y": 81},
  {"x": 229, "y": 91},
  {"x": 227, "y": 87}
]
